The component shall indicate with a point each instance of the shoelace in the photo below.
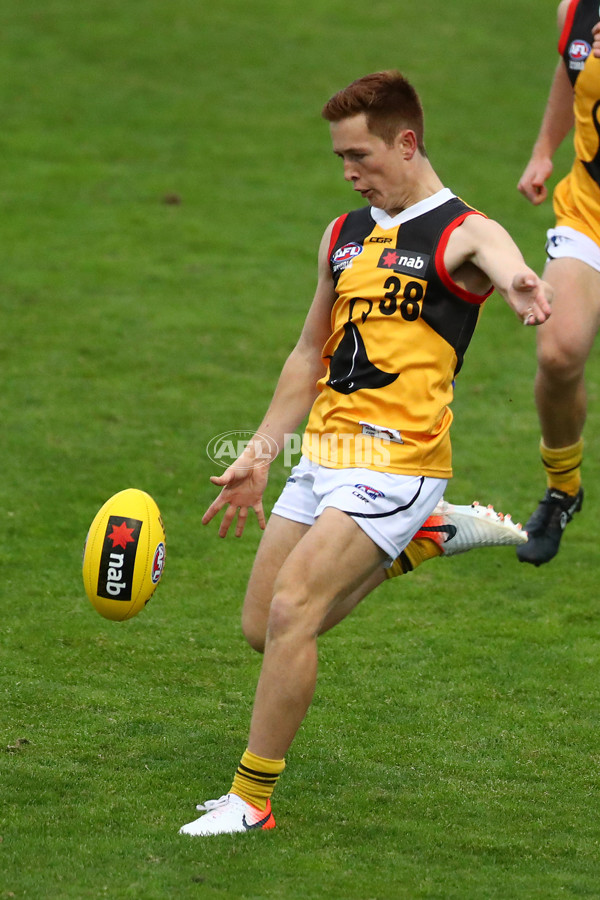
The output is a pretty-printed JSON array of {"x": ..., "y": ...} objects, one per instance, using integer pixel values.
[{"x": 209, "y": 805}]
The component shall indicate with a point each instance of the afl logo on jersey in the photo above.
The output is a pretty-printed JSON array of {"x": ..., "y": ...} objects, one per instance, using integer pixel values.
[
  {"x": 579, "y": 50},
  {"x": 344, "y": 256}
]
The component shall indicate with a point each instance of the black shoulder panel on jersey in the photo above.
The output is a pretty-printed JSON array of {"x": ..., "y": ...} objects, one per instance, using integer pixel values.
[
  {"x": 359, "y": 223},
  {"x": 429, "y": 227},
  {"x": 578, "y": 41}
]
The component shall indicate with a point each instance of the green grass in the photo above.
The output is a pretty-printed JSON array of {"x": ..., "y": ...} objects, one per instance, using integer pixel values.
[{"x": 451, "y": 751}]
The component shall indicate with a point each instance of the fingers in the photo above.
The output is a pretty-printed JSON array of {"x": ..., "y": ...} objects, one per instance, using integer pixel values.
[
  {"x": 241, "y": 521},
  {"x": 213, "y": 509},
  {"x": 242, "y": 518},
  {"x": 226, "y": 521},
  {"x": 230, "y": 514},
  {"x": 535, "y": 193},
  {"x": 535, "y": 315},
  {"x": 531, "y": 298},
  {"x": 532, "y": 183},
  {"x": 538, "y": 194},
  {"x": 223, "y": 479},
  {"x": 260, "y": 515}
]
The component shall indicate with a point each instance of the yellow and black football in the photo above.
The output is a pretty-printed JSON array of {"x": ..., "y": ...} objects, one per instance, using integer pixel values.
[{"x": 124, "y": 554}]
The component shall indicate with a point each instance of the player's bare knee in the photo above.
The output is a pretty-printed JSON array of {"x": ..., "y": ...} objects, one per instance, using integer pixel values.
[
  {"x": 254, "y": 632},
  {"x": 560, "y": 363},
  {"x": 289, "y": 613}
]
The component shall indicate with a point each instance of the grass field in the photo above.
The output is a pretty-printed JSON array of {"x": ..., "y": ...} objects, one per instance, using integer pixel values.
[{"x": 166, "y": 181}]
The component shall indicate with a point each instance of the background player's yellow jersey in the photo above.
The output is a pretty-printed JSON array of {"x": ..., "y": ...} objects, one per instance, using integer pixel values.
[
  {"x": 577, "y": 196},
  {"x": 400, "y": 328}
]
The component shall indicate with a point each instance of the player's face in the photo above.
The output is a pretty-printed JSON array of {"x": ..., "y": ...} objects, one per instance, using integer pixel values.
[{"x": 374, "y": 168}]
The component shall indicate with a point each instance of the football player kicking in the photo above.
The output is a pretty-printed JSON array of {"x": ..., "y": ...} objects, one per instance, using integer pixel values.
[{"x": 401, "y": 283}]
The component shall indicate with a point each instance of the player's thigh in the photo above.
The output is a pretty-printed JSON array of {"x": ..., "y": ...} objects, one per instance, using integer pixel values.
[
  {"x": 564, "y": 341},
  {"x": 278, "y": 540},
  {"x": 332, "y": 560}
]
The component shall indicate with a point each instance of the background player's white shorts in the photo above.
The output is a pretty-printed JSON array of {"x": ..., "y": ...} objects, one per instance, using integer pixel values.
[
  {"x": 389, "y": 508},
  {"x": 564, "y": 241}
]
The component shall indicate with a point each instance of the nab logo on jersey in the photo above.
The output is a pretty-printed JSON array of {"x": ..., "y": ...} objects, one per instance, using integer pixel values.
[
  {"x": 406, "y": 261},
  {"x": 579, "y": 50}
]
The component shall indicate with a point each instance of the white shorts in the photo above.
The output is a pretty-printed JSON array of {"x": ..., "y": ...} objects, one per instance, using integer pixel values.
[
  {"x": 389, "y": 508},
  {"x": 564, "y": 241}
]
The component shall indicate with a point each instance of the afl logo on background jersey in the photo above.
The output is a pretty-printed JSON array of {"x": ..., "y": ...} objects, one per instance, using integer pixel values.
[
  {"x": 344, "y": 256},
  {"x": 579, "y": 50}
]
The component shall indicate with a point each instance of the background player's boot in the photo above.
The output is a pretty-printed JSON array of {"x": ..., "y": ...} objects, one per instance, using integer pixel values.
[
  {"x": 228, "y": 815},
  {"x": 456, "y": 529},
  {"x": 546, "y": 525}
]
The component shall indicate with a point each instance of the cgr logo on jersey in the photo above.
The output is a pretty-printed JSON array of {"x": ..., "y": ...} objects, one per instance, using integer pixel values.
[
  {"x": 344, "y": 256},
  {"x": 407, "y": 261},
  {"x": 578, "y": 53},
  {"x": 118, "y": 558},
  {"x": 371, "y": 492}
]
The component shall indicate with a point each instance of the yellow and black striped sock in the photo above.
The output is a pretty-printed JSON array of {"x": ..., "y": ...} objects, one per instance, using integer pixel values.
[
  {"x": 563, "y": 466},
  {"x": 255, "y": 778},
  {"x": 417, "y": 552}
]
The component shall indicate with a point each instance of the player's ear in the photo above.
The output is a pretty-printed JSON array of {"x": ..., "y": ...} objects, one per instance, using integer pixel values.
[{"x": 406, "y": 142}]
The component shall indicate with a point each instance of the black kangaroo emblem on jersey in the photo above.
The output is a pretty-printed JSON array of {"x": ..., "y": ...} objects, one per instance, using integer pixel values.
[{"x": 350, "y": 369}]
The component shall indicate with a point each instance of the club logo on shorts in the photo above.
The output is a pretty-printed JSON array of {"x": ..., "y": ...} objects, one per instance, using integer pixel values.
[
  {"x": 371, "y": 492},
  {"x": 345, "y": 256}
]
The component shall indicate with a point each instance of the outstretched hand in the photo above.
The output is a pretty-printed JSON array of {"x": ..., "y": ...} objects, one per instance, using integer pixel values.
[
  {"x": 242, "y": 490},
  {"x": 530, "y": 298}
]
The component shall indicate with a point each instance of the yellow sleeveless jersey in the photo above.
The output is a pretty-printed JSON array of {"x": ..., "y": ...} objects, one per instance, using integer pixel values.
[
  {"x": 400, "y": 328},
  {"x": 577, "y": 196}
]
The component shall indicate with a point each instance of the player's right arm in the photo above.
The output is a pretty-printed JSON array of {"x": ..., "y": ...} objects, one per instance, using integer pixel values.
[
  {"x": 557, "y": 121},
  {"x": 243, "y": 483}
]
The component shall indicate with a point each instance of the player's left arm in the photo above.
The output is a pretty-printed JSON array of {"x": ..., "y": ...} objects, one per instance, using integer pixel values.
[{"x": 487, "y": 245}]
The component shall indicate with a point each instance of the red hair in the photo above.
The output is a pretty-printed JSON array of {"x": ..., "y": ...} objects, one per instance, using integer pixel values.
[{"x": 389, "y": 102}]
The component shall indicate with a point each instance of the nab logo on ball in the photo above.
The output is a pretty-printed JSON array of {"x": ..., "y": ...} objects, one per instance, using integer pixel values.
[
  {"x": 115, "y": 576},
  {"x": 124, "y": 555}
]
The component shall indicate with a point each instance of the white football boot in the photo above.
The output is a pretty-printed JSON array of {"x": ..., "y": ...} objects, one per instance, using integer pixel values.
[
  {"x": 228, "y": 815},
  {"x": 456, "y": 529}
]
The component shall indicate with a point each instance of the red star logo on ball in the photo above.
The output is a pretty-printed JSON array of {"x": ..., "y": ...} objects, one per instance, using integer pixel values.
[{"x": 121, "y": 535}]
